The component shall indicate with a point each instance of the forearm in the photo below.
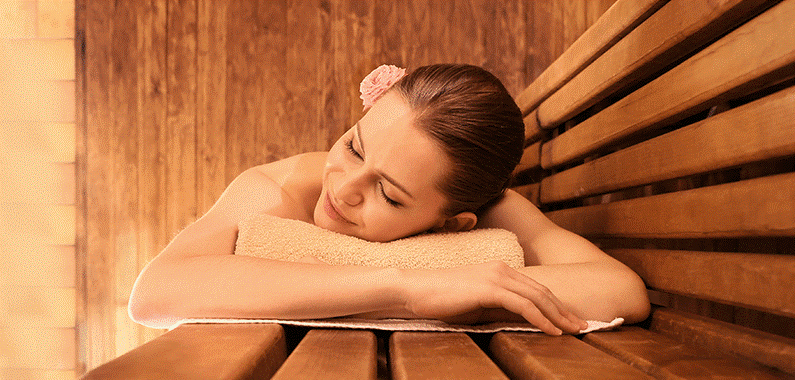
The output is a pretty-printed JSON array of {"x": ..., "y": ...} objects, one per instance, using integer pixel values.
[
  {"x": 231, "y": 286},
  {"x": 597, "y": 290}
]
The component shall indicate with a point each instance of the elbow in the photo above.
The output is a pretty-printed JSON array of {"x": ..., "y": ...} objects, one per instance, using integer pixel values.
[
  {"x": 145, "y": 306},
  {"x": 634, "y": 298}
]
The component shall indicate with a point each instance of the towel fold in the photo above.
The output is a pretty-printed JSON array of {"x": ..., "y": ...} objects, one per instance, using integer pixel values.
[
  {"x": 290, "y": 240},
  {"x": 405, "y": 324}
]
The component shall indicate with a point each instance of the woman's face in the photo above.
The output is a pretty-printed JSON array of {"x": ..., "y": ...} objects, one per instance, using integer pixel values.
[{"x": 380, "y": 178}]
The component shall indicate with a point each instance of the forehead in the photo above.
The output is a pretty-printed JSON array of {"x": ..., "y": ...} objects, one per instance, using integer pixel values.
[{"x": 394, "y": 146}]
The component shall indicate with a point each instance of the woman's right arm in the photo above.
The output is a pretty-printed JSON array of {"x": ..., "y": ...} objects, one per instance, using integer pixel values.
[{"x": 198, "y": 276}]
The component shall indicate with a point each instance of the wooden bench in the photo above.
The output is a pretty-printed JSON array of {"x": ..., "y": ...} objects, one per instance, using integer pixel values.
[{"x": 666, "y": 135}]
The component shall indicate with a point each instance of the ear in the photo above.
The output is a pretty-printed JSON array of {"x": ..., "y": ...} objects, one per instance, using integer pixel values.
[{"x": 464, "y": 221}]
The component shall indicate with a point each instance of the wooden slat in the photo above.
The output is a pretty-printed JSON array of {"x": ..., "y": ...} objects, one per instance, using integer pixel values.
[
  {"x": 665, "y": 358},
  {"x": 716, "y": 336},
  {"x": 756, "y": 207},
  {"x": 758, "y": 281},
  {"x": 616, "y": 22},
  {"x": 675, "y": 30},
  {"x": 532, "y": 129},
  {"x": 531, "y": 158},
  {"x": 760, "y": 130},
  {"x": 341, "y": 354},
  {"x": 195, "y": 351},
  {"x": 211, "y": 101},
  {"x": 434, "y": 355},
  {"x": 536, "y": 356},
  {"x": 760, "y": 52}
]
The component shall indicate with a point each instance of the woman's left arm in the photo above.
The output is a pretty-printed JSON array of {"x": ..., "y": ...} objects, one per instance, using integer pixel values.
[{"x": 590, "y": 283}]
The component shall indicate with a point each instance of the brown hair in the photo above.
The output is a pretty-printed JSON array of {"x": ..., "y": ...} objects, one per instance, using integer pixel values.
[{"x": 468, "y": 111}]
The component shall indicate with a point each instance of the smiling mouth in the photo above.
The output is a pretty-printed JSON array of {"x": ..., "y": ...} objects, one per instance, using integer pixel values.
[{"x": 332, "y": 212}]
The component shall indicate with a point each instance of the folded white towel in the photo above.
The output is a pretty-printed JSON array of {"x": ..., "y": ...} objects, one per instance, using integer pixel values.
[
  {"x": 404, "y": 324},
  {"x": 290, "y": 240}
]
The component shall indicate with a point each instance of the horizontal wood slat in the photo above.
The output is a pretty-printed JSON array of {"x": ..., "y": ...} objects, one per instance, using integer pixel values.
[
  {"x": 760, "y": 52},
  {"x": 536, "y": 356},
  {"x": 347, "y": 354},
  {"x": 531, "y": 158},
  {"x": 763, "y": 129},
  {"x": 756, "y": 207},
  {"x": 716, "y": 336},
  {"x": 665, "y": 358},
  {"x": 194, "y": 351},
  {"x": 439, "y": 355},
  {"x": 615, "y": 23},
  {"x": 758, "y": 281},
  {"x": 532, "y": 130},
  {"x": 675, "y": 30}
]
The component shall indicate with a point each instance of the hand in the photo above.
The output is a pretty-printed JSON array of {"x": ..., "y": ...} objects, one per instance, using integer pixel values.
[
  {"x": 463, "y": 294},
  {"x": 309, "y": 259}
]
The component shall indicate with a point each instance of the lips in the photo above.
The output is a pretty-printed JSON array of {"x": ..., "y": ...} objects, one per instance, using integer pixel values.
[{"x": 332, "y": 211}]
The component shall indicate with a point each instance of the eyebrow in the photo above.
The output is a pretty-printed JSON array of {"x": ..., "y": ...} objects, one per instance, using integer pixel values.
[{"x": 382, "y": 174}]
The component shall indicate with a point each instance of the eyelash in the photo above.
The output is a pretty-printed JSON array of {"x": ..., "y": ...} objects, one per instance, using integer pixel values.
[{"x": 392, "y": 202}]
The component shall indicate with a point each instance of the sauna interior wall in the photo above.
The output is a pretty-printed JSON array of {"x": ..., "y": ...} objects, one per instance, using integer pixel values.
[{"x": 176, "y": 98}]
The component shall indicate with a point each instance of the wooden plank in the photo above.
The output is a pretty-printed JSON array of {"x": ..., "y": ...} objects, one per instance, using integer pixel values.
[
  {"x": 194, "y": 351},
  {"x": 95, "y": 262},
  {"x": 759, "y": 281},
  {"x": 756, "y": 207},
  {"x": 756, "y": 54},
  {"x": 673, "y": 31},
  {"x": 29, "y": 346},
  {"x": 341, "y": 354},
  {"x": 616, "y": 22},
  {"x": 763, "y": 129},
  {"x": 531, "y": 158},
  {"x": 536, "y": 356},
  {"x": 211, "y": 102},
  {"x": 532, "y": 129},
  {"x": 439, "y": 355},
  {"x": 181, "y": 115},
  {"x": 721, "y": 337},
  {"x": 123, "y": 153},
  {"x": 665, "y": 358}
]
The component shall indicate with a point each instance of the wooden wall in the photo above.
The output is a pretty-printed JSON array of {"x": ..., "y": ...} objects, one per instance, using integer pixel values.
[
  {"x": 175, "y": 98},
  {"x": 37, "y": 193}
]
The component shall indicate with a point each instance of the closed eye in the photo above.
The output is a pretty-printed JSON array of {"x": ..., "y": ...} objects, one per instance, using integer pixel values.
[
  {"x": 353, "y": 151},
  {"x": 389, "y": 200}
]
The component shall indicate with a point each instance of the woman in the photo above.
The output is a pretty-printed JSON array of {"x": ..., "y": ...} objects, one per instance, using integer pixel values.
[{"x": 434, "y": 153}]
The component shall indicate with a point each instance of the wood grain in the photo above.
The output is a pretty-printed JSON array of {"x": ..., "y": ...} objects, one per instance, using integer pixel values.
[
  {"x": 439, "y": 355},
  {"x": 759, "y": 281},
  {"x": 756, "y": 54},
  {"x": 531, "y": 158},
  {"x": 194, "y": 351},
  {"x": 665, "y": 358},
  {"x": 536, "y": 356},
  {"x": 757, "y": 131},
  {"x": 721, "y": 337},
  {"x": 347, "y": 354},
  {"x": 757, "y": 207},
  {"x": 618, "y": 20},
  {"x": 676, "y": 29}
]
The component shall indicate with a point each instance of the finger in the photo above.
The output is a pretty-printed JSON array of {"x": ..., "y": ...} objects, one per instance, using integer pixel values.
[
  {"x": 546, "y": 302},
  {"x": 527, "y": 309}
]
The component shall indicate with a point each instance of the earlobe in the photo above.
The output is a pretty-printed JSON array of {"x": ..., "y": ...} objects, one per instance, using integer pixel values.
[{"x": 464, "y": 221}]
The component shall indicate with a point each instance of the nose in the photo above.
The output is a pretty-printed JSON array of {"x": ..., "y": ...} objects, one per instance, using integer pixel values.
[{"x": 349, "y": 188}]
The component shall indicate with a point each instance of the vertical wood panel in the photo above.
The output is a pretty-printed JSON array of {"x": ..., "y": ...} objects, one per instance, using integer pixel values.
[
  {"x": 181, "y": 118},
  {"x": 150, "y": 95},
  {"x": 98, "y": 257},
  {"x": 211, "y": 102}
]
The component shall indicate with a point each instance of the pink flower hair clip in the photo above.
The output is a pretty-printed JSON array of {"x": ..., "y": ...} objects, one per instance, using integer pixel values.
[{"x": 377, "y": 82}]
